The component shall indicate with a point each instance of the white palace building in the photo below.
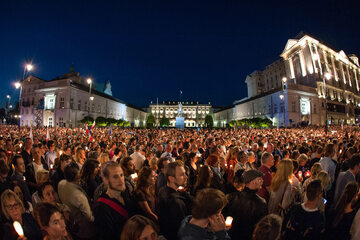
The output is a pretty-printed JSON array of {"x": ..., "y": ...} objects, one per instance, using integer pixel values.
[
  {"x": 309, "y": 77},
  {"x": 65, "y": 101}
]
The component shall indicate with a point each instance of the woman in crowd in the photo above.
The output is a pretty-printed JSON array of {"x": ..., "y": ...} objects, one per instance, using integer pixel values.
[
  {"x": 193, "y": 170},
  {"x": 204, "y": 179},
  {"x": 145, "y": 192},
  {"x": 13, "y": 210},
  {"x": 281, "y": 190},
  {"x": 231, "y": 160},
  {"x": 89, "y": 177},
  {"x": 217, "y": 179},
  {"x": 344, "y": 213},
  {"x": 315, "y": 170},
  {"x": 41, "y": 177},
  {"x": 138, "y": 228},
  {"x": 51, "y": 221},
  {"x": 27, "y": 205}
]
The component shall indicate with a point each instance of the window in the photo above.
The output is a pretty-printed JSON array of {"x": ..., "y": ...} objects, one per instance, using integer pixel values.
[
  {"x": 61, "y": 122},
  {"x": 314, "y": 108},
  {"x": 50, "y": 121},
  {"x": 85, "y": 107},
  {"x": 62, "y": 101},
  {"x": 71, "y": 103},
  {"x": 79, "y": 104},
  {"x": 275, "y": 108},
  {"x": 93, "y": 107}
]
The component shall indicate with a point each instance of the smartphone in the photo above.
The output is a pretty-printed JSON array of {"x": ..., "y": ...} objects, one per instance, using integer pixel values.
[{"x": 325, "y": 201}]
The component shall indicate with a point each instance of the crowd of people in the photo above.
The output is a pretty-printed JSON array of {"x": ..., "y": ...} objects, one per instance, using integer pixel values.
[{"x": 137, "y": 184}]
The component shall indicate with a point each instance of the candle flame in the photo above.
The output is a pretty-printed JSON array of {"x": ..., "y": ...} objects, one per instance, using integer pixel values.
[
  {"x": 18, "y": 228},
  {"x": 228, "y": 221}
]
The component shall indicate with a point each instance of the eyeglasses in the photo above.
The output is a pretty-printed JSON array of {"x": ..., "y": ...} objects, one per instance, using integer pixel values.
[{"x": 12, "y": 206}]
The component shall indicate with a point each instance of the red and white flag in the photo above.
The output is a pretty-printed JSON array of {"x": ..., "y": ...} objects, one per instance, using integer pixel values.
[
  {"x": 92, "y": 127},
  {"x": 47, "y": 134}
]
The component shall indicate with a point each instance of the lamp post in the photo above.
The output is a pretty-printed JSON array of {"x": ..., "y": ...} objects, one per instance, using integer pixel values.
[
  {"x": 8, "y": 104},
  {"x": 282, "y": 97},
  {"x": 326, "y": 76},
  {"x": 89, "y": 81}
]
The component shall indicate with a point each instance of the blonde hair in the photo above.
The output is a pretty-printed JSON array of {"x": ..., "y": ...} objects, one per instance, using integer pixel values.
[
  {"x": 302, "y": 158},
  {"x": 153, "y": 163},
  {"x": 324, "y": 178},
  {"x": 104, "y": 157},
  {"x": 41, "y": 173},
  {"x": 315, "y": 170},
  {"x": 6, "y": 196},
  {"x": 283, "y": 173}
]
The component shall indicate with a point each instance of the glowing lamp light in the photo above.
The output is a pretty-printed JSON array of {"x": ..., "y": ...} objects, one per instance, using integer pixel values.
[
  {"x": 281, "y": 96},
  {"x": 89, "y": 80},
  {"x": 18, "y": 228},
  {"x": 29, "y": 67},
  {"x": 228, "y": 221},
  {"x": 91, "y": 98},
  {"x": 284, "y": 79},
  {"x": 134, "y": 176},
  {"x": 17, "y": 85},
  {"x": 327, "y": 76}
]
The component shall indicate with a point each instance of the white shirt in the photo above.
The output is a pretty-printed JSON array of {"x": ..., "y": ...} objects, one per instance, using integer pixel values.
[
  {"x": 37, "y": 167},
  {"x": 138, "y": 160}
]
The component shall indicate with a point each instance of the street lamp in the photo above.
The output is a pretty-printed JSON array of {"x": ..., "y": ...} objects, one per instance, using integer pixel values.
[
  {"x": 89, "y": 81},
  {"x": 326, "y": 76},
  {"x": 282, "y": 97}
]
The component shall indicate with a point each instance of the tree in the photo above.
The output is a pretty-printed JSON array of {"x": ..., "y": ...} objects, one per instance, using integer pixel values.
[
  {"x": 126, "y": 123},
  {"x": 111, "y": 121},
  {"x": 87, "y": 120},
  {"x": 209, "y": 122},
  {"x": 232, "y": 123},
  {"x": 150, "y": 121},
  {"x": 101, "y": 121},
  {"x": 164, "y": 122},
  {"x": 119, "y": 123}
]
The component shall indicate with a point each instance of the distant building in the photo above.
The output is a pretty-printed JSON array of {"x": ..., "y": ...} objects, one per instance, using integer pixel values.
[
  {"x": 193, "y": 112},
  {"x": 301, "y": 98},
  {"x": 65, "y": 101}
]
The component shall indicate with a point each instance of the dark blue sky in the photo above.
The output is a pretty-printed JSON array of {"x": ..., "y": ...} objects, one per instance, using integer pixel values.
[{"x": 150, "y": 49}]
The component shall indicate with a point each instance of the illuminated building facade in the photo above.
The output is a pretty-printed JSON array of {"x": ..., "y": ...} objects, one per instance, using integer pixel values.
[
  {"x": 193, "y": 112},
  {"x": 65, "y": 101},
  {"x": 292, "y": 90}
]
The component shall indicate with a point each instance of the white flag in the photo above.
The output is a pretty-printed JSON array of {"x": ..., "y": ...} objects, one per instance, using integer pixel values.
[{"x": 31, "y": 134}]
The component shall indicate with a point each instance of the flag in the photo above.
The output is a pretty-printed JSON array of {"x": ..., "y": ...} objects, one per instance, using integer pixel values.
[
  {"x": 31, "y": 134},
  {"x": 92, "y": 127},
  {"x": 110, "y": 132},
  {"x": 47, "y": 134},
  {"x": 87, "y": 129}
]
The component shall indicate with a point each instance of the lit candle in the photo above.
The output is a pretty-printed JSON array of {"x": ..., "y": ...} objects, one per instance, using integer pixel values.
[
  {"x": 290, "y": 181},
  {"x": 60, "y": 152},
  {"x": 134, "y": 176},
  {"x": 181, "y": 188},
  {"x": 225, "y": 164},
  {"x": 18, "y": 228},
  {"x": 228, "y": 221}
]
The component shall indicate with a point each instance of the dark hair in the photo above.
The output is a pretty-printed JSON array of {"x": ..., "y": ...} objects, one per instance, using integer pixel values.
[
  {"x": 93, "y": 155},
  {"x": 212, "y": 160},
  {"x": 204, "y": 177},
  {"x": 354, "y": 161},
  {"x": 313, "y": 189},
  {"x": 186, "y": 145},
  {"x": 238, "y": 176},
  {"x": 142, "y": 182},
  {"x": 170, "y": 169},
  {"x": 134, "y": 226},
  {"x": 88, "y": 169},
  {"x": 116, "y": 151},
  {"x": 42, "y": 187},
  {"x": 51, "y": 142},
  {"x": 208, "y": 201},
  {"x": 160, "y": 163},
  {"x": 4, "y": 168},
  {"x": 268, "y": 228},
  {"x": 349, "y": 193},
  {"x": 124, "y": 162},
  {"x": 43, "y": 212},
  {"x": 15, "y": 158},
  {"x": 71, "y": 171},
  {"x": 64, "y": 157}
]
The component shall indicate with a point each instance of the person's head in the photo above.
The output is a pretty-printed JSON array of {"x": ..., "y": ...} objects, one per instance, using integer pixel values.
[
  {"x": 162, "y": 162},
  {"x": 207, "y": 203},
  {"x": 315, "y": 170},
  {"x": 238, "y": 180},
  {"x": 19, "y": 164},
  {"x": 286, "y": 154},
  {"x": 314, "y": 190},
  {"x": 324, "y": 178},
  {"x": 42, "y": 176},
  {"x": 302, "y": 160},
  {"x": 128, "y": 166},
  {"x": 153, "y": 163},
  {"x": 4, "y": 171},
  {"x": 17, "y": 189},
  {"x": 213, "y": 160},
  {"x": 72, "y": 172},
  {"x": 93, "y": 155},
  {"x": 117, "y": 151},
  {"x": 253, "y": 179},
  {"x": 254, "y": 147},
  {"x": 89, "y": 170},
  {"x": 113, "y": 176},
  {"x": 268, "y": 228},
  {"x": 283, "y": 173},
  {"x": 103, "y": 158},
  {"x": 319, "y": 151},
  {"x": 139, "y": 228},
  {"x": 50, "y": 220},
  {"x": 354, "y": 163},
  {"x": 168, "y": 148},
  {"x": 80, "y": 154},
  {"x": 47, "y": 193},
  {"x": 11, "y": 205},
  {"x": 36, "y": 153},
  {"x": 242, "y": 157},
  {"x": 146, "y": 178},
  {"x": 51, "y": 145},
  {"x": 329, "y": 150},
  {"x": 270, "y": 148},
  {"x": 175, "y": 174},
  {"x": 251, "y": 157},
  {"x": 349, "y": 196},
  {"x": 267, "y": 159},
  {"x": 204, "y": 177},
  {"x": 28, "y": 144},
  {"x": 64, "y": 160}
]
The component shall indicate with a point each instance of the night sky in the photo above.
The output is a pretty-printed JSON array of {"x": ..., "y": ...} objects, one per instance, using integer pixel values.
[{"x": 149, "y": 49}]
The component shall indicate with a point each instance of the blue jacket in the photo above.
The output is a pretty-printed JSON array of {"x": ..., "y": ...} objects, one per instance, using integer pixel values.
[{"x": 188, "y": 231}]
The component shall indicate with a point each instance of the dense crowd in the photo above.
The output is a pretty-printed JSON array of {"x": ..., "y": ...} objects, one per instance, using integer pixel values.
[{"x": 137, "y": 184}]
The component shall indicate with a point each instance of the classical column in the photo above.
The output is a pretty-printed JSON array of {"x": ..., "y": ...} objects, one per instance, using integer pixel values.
[
  {"x": 334, "y": 67},
  {"x": 348, "y": 73},
  {"x": 342, "y": 72},
  {"x": 291, "y": 65},
  {"x": 302, "y": 63},
  {"x": 356, "y": 80},
  {"x": 318, "y": 59},
  {"x": 312, "y": 58}
]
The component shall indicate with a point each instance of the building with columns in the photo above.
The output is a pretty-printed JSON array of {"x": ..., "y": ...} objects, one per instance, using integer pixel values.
[
  {"x": 193, "y": 112},
  {"x": 294, "y": 89},
  {"x": 65, "y": 101}
]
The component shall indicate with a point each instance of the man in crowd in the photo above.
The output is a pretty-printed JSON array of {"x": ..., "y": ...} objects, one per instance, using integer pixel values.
[
  {"x": 246, "y": 207},
  {"x": 161, "y": 180},
  {"x": 51, "y": 154},
  {"x": 167, "y": 154},
  {"x": 305, "y": 221},
  {"x": 206, "y": 213},
  {"x": 33, "y": 168},
  {"x": 128, "y": 167},
  {"x": 58, "y": 173},
  {"x": 267, "y": 161},
  {"x": 113, "y": 208},
  {"x": 72, "y": 195},
  {"x": 18, "y": 176},
  {"x": 327, "y": 163},
  {"x": 138, "y": 158},
  {"x": 173, "y": 204},
  {"x": 26, "y": 153}
]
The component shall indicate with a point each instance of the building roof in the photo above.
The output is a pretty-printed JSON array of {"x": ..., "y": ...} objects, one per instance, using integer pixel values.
[{"x": 184, "y": 103}]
